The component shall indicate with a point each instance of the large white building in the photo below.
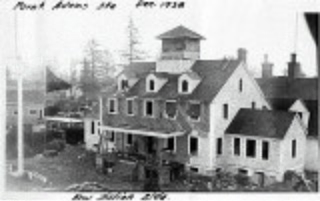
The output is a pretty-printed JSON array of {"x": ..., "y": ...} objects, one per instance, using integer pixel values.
[{"x": 206, "y": 115}]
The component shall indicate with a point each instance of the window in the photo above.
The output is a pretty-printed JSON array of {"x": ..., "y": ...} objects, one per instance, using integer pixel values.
[
  {"x": 300, "y": 114},
  {"x": 99, "y": 127},
  {"x": 129, "y": 139},
  {"x": 194, "y": 111},
  {"x": 265, "y": 150},
  {"x": 251, "y": 148},
  {"x": 236, "y": 146},
  {"x": 193, "y": 145},
  {"x": 15, "y": 112},
  {"x": 124, "y": 84},
  {"x": 33, "y": 111},
  {"x": 242, "y": 171},
  {"x": 171, "y": 144},
  {"x": 112, "y": 136},
  {"x": 171, "y": 109},
  {"x": 225, "y": 111},
  {"x": 185, "y": 86},
  {"x": 253, "y": 105},
  {"x": 149, "y": 108},
  {"x": 151, "y": 85},
  {"x": 219, "y": 146},
  {"x": 130, "y": 107},
  {"x": 92, "y": 127},
  {"x": 293, "y": 148},
  {"x": 240, "y": 85},
  {"x": 112, "y": 106},
  {"x": 194, "y": 169}
]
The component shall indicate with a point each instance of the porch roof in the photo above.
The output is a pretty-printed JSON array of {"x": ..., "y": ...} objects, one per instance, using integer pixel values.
[
  {"x": 148, "y": 133},
  {"x": 147, "y": 126}
]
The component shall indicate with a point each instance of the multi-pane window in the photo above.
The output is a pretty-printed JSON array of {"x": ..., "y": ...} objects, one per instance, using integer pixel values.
[
  {"x": 171, "y": 109},
  {"x": 130, "y": 107},
  {"x": 236, "y": 146},
  {"x": 293, "y": 148},
  {"x": 251, "y": 148},
  {"x": 225, "y": 111},
  {"x": 149, "y": 108},
  {"x": 193, "y": 147},
  {"x": 219, "y": 146},
  {"x": 112, "y": 106},
  {"x": 194, "y": 111},
  {"x": 265, "y": 150},
  {"x": 185, "y": 86}
]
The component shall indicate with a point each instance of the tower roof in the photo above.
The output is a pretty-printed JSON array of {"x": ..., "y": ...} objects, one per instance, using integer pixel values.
[{"x": 180, "y": 32}]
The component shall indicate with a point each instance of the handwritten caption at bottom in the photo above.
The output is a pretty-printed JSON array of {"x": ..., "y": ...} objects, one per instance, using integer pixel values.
[{"x": 160, "y": 196}]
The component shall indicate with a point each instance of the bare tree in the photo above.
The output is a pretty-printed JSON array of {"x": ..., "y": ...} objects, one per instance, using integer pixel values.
[
  {"x": 132, "y": 52},
  {"x": 97, "y": 69}
]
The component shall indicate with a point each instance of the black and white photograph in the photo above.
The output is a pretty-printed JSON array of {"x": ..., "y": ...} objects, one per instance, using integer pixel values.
[{"x": 108, "y": 100}]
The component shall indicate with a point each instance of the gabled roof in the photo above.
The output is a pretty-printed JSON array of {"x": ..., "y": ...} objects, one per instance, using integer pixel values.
[
  {"x": 180, "y": 32},
  {"x": 213, "y": 73},
  {"x": 139, "y": 69},
  {"x": 284, "y": 87},
  {"x": 282, "y": 92},
  {"x": 261, "y": 123},
  {"x": 29, "y": 96},
  {"x": 160, "y": 125}
]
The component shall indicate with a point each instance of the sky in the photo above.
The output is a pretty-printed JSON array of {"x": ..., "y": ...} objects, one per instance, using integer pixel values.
[{"x": 58, "y": 38}]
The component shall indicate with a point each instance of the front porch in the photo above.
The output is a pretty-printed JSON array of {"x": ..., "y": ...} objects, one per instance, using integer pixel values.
[{"x": 151, "y": 156}]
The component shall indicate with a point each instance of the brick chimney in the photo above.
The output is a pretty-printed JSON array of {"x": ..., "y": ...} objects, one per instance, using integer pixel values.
[
  {"x": 242, "y": 55},
  {"x": 267, "y": 68},
  {"x": 294, "y": 70}
]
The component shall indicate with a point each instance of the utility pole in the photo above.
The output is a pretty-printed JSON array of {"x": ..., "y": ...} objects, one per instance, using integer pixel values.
[{"x": 20, "y": 147}]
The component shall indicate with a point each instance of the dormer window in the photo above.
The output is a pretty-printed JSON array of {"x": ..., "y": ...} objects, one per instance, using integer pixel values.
[
  {"x": 151, "y": 85},
  {"x": 124, "y": 84},
  {"x": 185, "y": 86}
]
